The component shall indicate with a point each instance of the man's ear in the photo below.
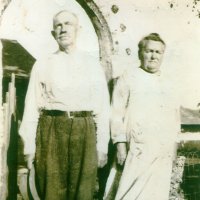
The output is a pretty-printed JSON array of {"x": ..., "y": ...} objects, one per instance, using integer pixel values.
[{"x": 53, "y": 33}]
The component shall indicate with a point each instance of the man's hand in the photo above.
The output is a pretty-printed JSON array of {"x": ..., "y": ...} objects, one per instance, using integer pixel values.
[
  {"x": 29, "y": 158},
  {"x": 121, "y": 153},
  {"x": 102, "y": 159}
]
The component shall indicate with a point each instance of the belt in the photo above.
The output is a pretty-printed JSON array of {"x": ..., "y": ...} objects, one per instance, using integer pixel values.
[{"x": 70, "y": 114}]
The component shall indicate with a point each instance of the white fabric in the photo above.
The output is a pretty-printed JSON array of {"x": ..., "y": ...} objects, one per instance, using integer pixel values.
[
  {"x": 150, "y": 120},
  {"x": 65, "y": 82}
]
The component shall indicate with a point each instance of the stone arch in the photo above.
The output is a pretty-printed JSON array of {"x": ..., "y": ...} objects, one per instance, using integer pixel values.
[{"x": 103, "y": 32}]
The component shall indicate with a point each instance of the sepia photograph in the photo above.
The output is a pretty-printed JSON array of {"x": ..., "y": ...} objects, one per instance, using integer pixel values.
[{"x": 100, "y": 100}]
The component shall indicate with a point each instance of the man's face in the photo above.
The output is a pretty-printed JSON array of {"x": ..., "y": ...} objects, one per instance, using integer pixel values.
[
  {"x": 151, "y": 56},
  {"x": 65, "y": 29}
]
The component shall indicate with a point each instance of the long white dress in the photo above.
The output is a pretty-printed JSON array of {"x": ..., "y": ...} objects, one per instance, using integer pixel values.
[{"x": 151, "y": 122}]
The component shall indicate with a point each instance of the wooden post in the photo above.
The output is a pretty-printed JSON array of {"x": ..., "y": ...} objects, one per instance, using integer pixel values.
[
  {"x": 2, "y": 146},
  {"x": 6, "y": 113}
]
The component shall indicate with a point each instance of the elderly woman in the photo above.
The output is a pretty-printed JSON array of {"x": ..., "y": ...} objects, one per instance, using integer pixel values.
[{"x": 145, "y": 113}]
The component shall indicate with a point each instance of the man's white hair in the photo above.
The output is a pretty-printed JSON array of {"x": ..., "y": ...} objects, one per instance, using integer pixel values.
[{"x": 64, "y": 11}]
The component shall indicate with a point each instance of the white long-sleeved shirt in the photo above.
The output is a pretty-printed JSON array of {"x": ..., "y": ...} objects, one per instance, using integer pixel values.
[
  {"x": 66, "y": 82},
  {"x": 145, "y": 106}
]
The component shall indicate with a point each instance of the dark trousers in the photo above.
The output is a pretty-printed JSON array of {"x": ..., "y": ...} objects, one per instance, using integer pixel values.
[{"x": 66, "y": 158}]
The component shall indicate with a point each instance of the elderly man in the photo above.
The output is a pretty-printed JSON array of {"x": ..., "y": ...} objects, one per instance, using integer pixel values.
[
  {"x": 145, "y": 113},
  {"x": 65, "y": 127}
]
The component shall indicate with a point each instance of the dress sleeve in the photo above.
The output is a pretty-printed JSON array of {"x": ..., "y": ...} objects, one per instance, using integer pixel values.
[
  {"x": 118, "y": 109},
  {"x": 29, "y": 123}
]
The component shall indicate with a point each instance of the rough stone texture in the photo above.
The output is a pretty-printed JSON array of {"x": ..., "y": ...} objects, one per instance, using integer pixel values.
[
  {"x": 177, "y": 173},
  {"x": 115, "y": 8}
]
